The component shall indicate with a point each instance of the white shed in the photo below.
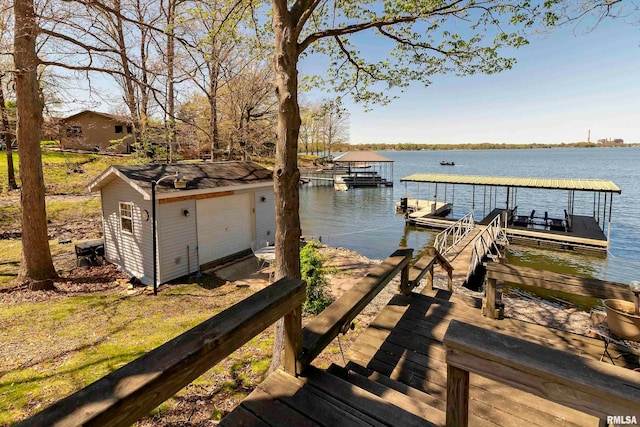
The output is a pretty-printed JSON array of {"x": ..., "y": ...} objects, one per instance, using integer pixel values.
[{"x": 225, "y": 210}]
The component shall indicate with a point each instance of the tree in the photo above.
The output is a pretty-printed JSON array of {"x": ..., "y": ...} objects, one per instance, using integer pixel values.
[
  {"x": 335, "y": 123},
  {"x": 37, "y": 263},
  {"x": 422, "y": 41}
]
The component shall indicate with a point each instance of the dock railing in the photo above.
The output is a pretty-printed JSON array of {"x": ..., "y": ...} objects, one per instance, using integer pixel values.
[
  {"x": 453, "y": 234},
  {"x": 605, "y": 391},
  {"x": 497, "y": 274},
  {"x": 485, "y": 242},
  {"x": 131, "y": 392}
]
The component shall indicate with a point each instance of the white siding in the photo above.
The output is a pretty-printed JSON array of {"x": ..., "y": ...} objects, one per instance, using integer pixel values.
[
  {"x": 265, "y": 216},
  {"x": 131, "y": 252},
  {"x": 177, "y": 240}
]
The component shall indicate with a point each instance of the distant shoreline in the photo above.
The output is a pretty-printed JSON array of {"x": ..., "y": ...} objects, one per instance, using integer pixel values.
[{"x": 482, "y": 146}]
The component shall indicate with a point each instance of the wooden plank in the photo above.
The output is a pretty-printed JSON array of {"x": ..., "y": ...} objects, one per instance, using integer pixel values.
[
  {"x": 131, "y": 392},
  {"x": 556, "y": 281},
  {"x": 274, "y": 412},
  {"x": 292, "y": 340},
  {"x": 326, "y": 326},
  {"x": 241, "y": 417},
  {"x": 197, "y": 197},
  {"x": 589, "y": 386},
  {"x": 370, "y": 404},
  {"x": 316, "y": 405}
]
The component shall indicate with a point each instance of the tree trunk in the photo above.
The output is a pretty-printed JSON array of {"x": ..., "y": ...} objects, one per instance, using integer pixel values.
[
  {"x": 8, "y": 140},
  {"x": 36, "y": 255},
  {"x": 286, "y": 174},
  {"x": 171, "y": 20},
  {"x": 214, "y": 75}
]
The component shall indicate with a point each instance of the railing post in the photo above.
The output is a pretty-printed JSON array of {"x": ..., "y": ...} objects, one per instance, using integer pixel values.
[
  {"x": 450, "y": 280},
  {"x": 292, "y": 340},
  {"x": 430, "y": 278},
  {"x": 457, "y": 397},
  {"x": 490, "y": 300},
  {"x": 404, "y": 279}
]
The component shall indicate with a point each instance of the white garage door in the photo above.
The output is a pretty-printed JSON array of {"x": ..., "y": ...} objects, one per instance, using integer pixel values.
[{"x": 224, "y": 226}]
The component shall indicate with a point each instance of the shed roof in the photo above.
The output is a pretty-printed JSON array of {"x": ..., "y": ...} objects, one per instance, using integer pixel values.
[
  {"x": 200, "y": 176},
  {"x": 505, "y": 181},
  {"x": 361, "y": 156}
]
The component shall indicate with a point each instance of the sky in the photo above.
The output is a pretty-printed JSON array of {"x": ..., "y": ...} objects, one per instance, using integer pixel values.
[{"x": 564, "y": 85}]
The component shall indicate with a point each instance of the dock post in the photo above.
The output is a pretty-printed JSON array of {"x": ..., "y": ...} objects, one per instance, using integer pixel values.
[{"x": 430, "y": 278}]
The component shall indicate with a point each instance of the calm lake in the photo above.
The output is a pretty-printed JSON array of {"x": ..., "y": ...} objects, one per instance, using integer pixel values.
[{"x": 364, "y": 219}]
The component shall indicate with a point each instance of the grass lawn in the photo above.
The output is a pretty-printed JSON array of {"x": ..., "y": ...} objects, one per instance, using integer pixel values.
[{"x": 53, "y": 348}]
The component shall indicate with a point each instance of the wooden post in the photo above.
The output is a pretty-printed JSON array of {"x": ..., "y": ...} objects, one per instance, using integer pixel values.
[
  {"x": 457, "y": 397},
  {"x": 404, "y": 280},
  {"x": 292, "y": 340},
  {"x": 450, "y": 280},
  {"x": 430, "y": 278},
  {"x": 490, "y": 305}
]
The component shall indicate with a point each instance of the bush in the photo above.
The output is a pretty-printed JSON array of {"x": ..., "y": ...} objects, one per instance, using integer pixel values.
[{"x": 315, "y": 275}]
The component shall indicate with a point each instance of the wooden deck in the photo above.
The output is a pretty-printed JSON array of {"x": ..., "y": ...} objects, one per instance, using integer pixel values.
[{"x": 395, "y": 374}]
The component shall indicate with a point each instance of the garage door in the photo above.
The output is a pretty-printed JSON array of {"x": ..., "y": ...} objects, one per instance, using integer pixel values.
[{"x": 225, "y": 226}]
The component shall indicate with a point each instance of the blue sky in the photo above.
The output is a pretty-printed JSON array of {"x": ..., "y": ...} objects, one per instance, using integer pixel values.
[{"x": 564, "y": 84}]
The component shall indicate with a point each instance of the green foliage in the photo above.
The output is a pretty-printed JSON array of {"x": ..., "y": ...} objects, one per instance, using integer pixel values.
[{"x": 315, "y": 275}]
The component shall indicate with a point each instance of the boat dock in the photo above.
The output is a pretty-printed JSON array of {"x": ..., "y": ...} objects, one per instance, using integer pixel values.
[
  {"x": 575, "y": 231},
  {"x": 352, "y": 170}
]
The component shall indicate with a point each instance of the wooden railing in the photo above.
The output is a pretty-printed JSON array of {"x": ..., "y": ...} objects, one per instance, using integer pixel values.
[
  {"x": 338, "y": 316},
  {"x": 131, "y": 392},
  {"x": 425, "y": 266},
  {"x": 499, "y": 273},
  {"x": 449, "y": 237},
  {"x": 595, "y": 388},
  {"x": 484, "y": 243}
]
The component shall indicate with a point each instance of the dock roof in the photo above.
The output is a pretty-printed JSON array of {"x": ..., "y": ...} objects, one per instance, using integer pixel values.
[
  {"x": 362, "y": 156},
  {"x": 523, "y": 182}
]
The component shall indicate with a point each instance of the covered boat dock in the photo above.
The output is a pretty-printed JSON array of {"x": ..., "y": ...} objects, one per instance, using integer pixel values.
[{"x": 581, "y": 224}]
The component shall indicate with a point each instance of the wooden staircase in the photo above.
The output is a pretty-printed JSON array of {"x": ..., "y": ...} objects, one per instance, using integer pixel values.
[{"x": 337, "y": 397}]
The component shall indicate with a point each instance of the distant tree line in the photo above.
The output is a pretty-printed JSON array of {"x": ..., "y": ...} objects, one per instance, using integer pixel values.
[{"x": 481, "y": 146}]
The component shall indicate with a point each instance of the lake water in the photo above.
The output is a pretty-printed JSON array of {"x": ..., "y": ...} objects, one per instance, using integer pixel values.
[{"x": 364, "y": 219}]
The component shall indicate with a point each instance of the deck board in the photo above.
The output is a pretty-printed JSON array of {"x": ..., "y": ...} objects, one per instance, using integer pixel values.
[{"x": 395, "y": 374}]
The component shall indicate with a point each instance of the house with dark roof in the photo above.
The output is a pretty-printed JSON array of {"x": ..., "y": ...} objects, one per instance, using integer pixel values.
[
  {"x": 95, "y": 131},
  {"x": 214, "y": 212}
]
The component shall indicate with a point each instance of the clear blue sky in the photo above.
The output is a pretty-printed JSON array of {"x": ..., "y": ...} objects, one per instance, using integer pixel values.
[{"x": 564, "y": 84}]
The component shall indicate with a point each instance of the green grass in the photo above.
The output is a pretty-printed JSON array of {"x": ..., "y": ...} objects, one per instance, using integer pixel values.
[
  {"x": 80, "y": 339},
  {"x": 67, "y": 173}
]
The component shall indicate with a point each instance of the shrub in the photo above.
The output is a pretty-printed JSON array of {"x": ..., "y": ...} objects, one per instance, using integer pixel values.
[{"x": 315, "y": 275}]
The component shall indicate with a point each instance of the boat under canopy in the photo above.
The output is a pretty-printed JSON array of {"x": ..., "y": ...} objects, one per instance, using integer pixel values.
[{"x": 572, "y": 231}]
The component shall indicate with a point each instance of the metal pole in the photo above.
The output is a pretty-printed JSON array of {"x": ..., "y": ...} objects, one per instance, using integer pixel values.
[{"x": 153, "y": 236}]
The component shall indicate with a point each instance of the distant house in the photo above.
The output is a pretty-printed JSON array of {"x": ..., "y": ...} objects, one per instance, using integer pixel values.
[
  {"x": 91, "y": 130},
  {"x": 225, "y": 210}
]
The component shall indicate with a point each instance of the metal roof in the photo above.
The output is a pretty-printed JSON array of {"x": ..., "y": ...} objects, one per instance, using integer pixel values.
[
  {"x": 362, "y": 156},
  {"x": 506, "y": 181}
]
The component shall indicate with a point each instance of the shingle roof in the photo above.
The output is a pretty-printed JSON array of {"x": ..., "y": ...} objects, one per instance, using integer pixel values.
[
  {"x": 198, "y": 176},
  {"x": 505, "y": 181}
]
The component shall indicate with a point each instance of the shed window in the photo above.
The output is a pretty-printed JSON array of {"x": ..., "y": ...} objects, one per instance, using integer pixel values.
[
  {"x": 118, "y": 128},
  {"x": 74, "y": 131},
  {"x": 126, "y": 217},
  {"x": 129, "y": 129}
]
